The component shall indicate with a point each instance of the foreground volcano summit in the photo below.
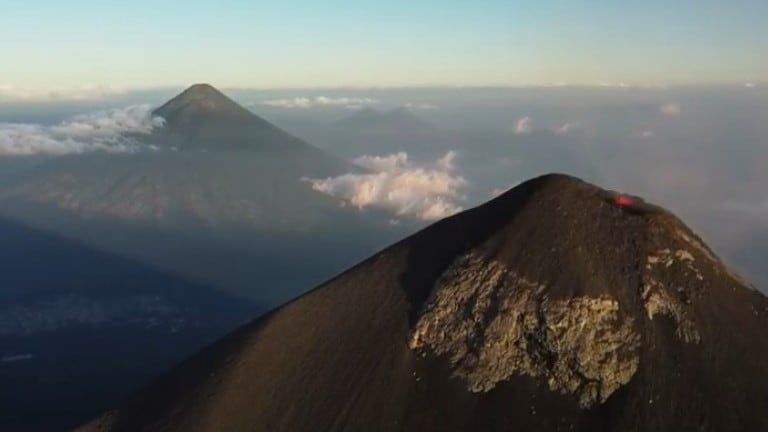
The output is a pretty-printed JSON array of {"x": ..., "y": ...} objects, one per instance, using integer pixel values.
[{"x": 550, "y": 308}]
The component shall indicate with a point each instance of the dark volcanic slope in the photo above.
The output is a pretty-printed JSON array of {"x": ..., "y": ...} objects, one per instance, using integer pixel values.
[{"x": 547, "y": 309}]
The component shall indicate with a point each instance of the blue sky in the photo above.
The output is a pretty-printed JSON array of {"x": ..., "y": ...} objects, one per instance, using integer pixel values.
[{"x": 303, "y": 43}]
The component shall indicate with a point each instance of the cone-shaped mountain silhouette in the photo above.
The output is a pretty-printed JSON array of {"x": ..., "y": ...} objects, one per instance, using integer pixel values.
[
  {"x": 201, "y": 102},
  {"x": 216, "y": 161},
  {"x": 553, "y": 307},
  {"x": 203, "y": 118}
]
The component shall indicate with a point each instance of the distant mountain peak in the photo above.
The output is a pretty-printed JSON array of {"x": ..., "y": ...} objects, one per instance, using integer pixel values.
[
  {"x": 203, "y": 118},
  {"x": 200, "y": 101}
]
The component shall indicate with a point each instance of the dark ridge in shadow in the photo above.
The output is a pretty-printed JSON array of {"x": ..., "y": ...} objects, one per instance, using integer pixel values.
[{"x": 122, "y": 323}]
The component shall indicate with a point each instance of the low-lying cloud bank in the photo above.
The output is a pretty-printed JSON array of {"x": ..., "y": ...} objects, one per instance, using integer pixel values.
[
  {"x": 320, "y": 101},
  {"x": 421, "y": 106},
  {"x": 671, "y": 109},
  {"x": 108, "y": 131},
  {"x": 425, "y": 191},
  {"x": 10, "y": 93}
]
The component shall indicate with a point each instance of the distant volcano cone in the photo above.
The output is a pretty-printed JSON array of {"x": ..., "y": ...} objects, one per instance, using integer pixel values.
[
  {"x": 220, "y": 163},
  {"x": 201, "y": 103},
  {"x": 550, "y": 308},
  {"x": 203, "y": 118}
]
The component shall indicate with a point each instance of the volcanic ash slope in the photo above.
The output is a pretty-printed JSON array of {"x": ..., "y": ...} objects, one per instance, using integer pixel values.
[{"x": 550, "y": 308}]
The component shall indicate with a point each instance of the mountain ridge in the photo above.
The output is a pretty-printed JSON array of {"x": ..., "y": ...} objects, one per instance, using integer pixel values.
[
  {"x": 606, "y": 318},
  {"x": 196, "y": 100},
  {"x": 202, "y": 118}
]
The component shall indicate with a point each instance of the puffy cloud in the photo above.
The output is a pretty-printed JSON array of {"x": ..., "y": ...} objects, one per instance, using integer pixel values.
[
  {"x": 103, "y": 131},
  {"x": 383, "y": 163},
  {"x": 645, "y": 134},
  {"x": 749, "y": 85},
  {"x": 428, "y": 192},
  {"x": 82, "y": 93},
  {"x": 320, "y": 101},
  {"x": 567, "y": 128},
  {"x": 447, "y": 162},
  {"x": 523, "y": 126},
  {"x": 670, "y": 109}
]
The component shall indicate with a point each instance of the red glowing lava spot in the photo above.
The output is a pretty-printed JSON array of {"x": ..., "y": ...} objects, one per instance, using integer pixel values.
[{"x": 623, "y": 201}]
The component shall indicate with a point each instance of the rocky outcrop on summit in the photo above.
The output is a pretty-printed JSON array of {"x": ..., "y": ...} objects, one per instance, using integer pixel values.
[
  {"x": 492, "y": 324},
  {"x": 553, "y": 307}
]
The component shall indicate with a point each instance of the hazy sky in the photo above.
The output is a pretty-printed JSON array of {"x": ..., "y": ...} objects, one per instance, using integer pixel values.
[{"x": 303, "y": 43}]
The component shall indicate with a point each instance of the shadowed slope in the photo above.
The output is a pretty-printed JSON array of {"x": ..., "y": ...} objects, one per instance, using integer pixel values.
[
  {"x": 549, "y": 308},
  {"x": 89, "y": 327}
]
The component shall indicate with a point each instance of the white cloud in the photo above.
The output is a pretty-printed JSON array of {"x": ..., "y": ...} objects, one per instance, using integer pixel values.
[
  {"x": 102, "y": 131},
  {"x": 421, "y": 106},
  {"x": 24, "y": 94},
  {"x": 645, "y": 134},
  {"x": 428, "y": 192},
  {"x": 391, "y": 162},
  {"x": 446, "y": 163},
  {"x": 670, "y": 109},
  {"x": 523, "y": 126},
  {"x": 749, "y": 85},
  {"x": 567, "y": 128},
  {"x": 320, "y": 101}
]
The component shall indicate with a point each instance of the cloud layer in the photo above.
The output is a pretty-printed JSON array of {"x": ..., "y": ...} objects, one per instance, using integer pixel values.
[
  {"x": 421, "y": 106},
  {"x": 670, "y": 109},
  {"x": 103, "y": 131},
  {"x": 82, "y": 93},
  {"x": 321, "y": 101},
  {"x": 428, "y": 192}
]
